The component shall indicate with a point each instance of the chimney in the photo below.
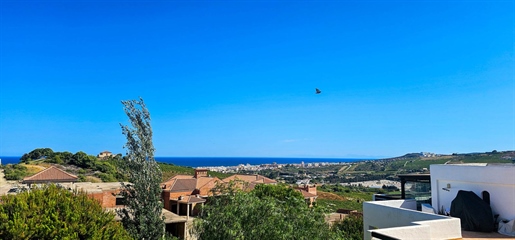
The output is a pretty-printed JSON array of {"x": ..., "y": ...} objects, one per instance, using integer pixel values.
[{"x": 200, "y": 173}]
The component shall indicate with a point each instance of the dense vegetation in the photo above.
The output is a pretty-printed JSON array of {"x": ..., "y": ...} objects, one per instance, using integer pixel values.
[
  {"x": 351, "y": 228},
  {"x": 80, "y": 164},
  {"x": 267, "y": 212},
  {"x": 86, "y": 167},
  {"x": 54, "y": 213},
  {"x": 15, "y": 172},
  {"x": 334, "y": 197}
]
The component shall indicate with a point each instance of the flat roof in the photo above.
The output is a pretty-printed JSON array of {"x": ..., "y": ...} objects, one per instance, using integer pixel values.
[{"x": 421, "y": 177}]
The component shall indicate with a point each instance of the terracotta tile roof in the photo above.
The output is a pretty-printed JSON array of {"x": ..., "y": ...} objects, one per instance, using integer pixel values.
[
  {"x": 192, "y": 199},
  {"x": 182, "y": 185},
  {"x": 201, "y": 181},
  {"x": 171, "y": 181},
  {"x": 51, "y": 174},
  {"x": 256, "y": 178},
  {"x": 306, "y": 194},
  {"x": 188, "y": 183},
  {"x": 268, "y": 180}
]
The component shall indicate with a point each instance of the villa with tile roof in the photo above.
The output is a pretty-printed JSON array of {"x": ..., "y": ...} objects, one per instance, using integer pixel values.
[
  {"x": 108, "y": 195},
  {"x": 182, "y": 193},
  {"x": 309, "y": 192},
  {"x": 51, "y": 175}
]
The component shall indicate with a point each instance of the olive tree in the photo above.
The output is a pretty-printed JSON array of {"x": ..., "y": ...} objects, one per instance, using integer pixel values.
[{"x": 142, "y": 214}]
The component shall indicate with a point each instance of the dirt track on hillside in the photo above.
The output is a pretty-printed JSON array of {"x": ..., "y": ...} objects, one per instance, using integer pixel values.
[
  {"x": 2, "y": 178},
  {"x": 330, "y": 196}
]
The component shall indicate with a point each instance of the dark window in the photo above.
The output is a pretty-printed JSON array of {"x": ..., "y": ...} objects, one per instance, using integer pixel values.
[{"x": 120, "y": 201}]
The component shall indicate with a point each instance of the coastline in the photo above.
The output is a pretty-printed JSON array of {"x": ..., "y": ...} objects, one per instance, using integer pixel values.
[{"x": 207, "y": 162}]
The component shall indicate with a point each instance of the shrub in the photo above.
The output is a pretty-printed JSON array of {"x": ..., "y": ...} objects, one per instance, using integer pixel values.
[
  {"x": 15, "y": 172},
  {"x": 54, "y": 213},
  {"x": 350, "y": 228}
]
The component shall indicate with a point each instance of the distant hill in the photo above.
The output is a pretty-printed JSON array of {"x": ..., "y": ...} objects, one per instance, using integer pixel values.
[
  {"x": 484, "y": 157},
  {"x": 420, "y": 162}
]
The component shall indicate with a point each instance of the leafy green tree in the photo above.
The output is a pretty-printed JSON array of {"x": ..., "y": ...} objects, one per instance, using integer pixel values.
[
  {"x": 67, "y": 157},
  {"x": 268, "y": 212},
  {"x": 350, "y": 228},
  {"x": 54, "y": 213},
  {"x": 83, "y": 160},
  {"x": 37, "y": 154},
  {"x": 57, "y": 159},
  {"x": 142, "y": 215}
]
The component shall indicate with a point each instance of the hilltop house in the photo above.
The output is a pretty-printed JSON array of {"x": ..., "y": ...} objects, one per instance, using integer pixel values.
[{"x": 104, "y": 154}]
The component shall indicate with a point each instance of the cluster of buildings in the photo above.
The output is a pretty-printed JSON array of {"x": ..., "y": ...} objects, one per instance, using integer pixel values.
[
  {"x": 429, "y": 154},
  {"x": 182, "y": 195},
  {"x": 249, "y": 167},
  {"x": 401, "y": 217}
]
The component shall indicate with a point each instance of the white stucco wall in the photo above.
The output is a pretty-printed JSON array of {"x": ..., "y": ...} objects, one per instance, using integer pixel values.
[
  {"x": 397, "y": 218},
  {"x": 498, "y": 180}
]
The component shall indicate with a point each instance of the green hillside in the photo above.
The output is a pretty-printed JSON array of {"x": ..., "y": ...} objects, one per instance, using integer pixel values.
[{"x": 86, "y": 167}]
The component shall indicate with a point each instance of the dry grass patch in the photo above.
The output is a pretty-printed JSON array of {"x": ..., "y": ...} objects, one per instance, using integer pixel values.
[
  {"x": 330, "y": 196},
  {"x": 33, "y": 169},
  {"x": 93, "y": 179}
]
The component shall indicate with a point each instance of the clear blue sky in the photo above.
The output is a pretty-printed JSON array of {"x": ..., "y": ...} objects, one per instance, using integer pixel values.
[{"x": 238, "y": 78}]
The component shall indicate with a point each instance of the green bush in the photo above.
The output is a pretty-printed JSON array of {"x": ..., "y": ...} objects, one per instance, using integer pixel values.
[
  {"x": 54, "y": 213},
  {"x": 106, "y": 177},
  {"x": 350, "y": 228},
  {"x": 15, "y": 172}
]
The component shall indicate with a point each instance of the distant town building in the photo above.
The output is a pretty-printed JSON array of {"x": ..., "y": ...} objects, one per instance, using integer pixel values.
[{"x": 309, "y": 192}]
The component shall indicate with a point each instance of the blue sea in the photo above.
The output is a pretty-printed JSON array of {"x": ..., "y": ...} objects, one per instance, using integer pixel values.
[{"x": 227, "y": 161}]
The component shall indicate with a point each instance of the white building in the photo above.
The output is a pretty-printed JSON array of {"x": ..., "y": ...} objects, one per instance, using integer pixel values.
[
  {"x": 497, "y": 179},
  {"x": 399, "y": 219}
]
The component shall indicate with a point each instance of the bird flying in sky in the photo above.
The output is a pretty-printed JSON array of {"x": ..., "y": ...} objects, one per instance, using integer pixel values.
[{"x": 317, "y": 91}]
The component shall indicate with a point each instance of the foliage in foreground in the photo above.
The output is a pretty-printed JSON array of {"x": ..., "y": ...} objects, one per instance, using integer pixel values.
[
  {"x": 142, "y": 214},
  {"x": 268, "y": 212},
  {"x": 54, "y": 213},
  {"x": 350, "y": 228}
]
